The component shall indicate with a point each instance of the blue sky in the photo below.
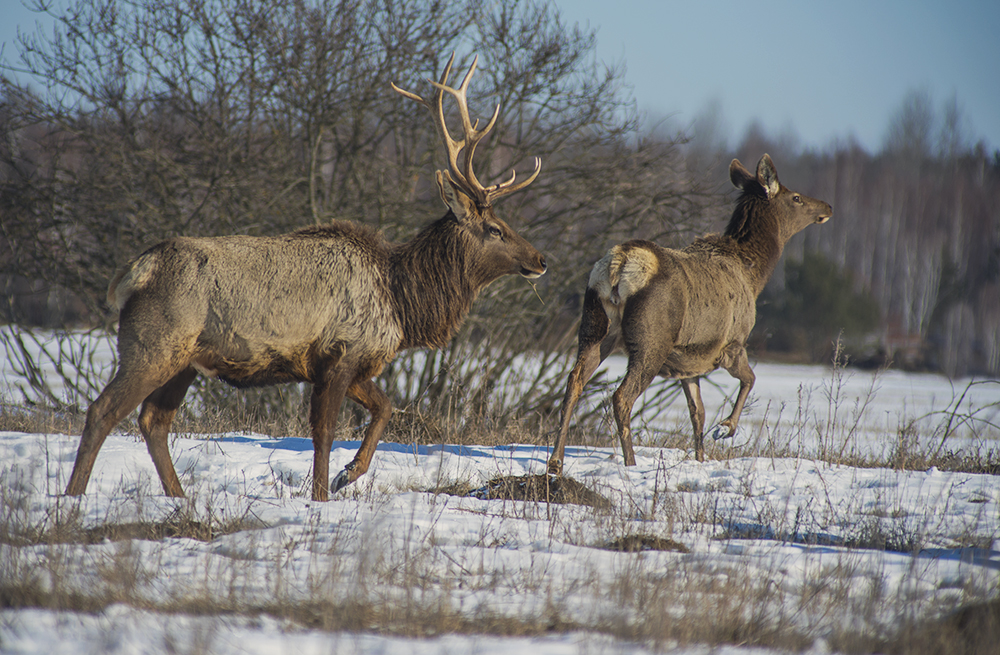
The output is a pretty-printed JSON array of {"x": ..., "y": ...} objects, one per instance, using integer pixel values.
[
  {"x": 826, "y": 70},
  {"x": 820, "y": 70}
]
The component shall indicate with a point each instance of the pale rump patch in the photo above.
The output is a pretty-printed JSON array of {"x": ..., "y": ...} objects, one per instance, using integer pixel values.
[{"x": 622, "y": 272}]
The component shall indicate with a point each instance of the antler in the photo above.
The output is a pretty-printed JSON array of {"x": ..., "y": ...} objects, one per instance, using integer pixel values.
[{"x": 465, "y": 176}]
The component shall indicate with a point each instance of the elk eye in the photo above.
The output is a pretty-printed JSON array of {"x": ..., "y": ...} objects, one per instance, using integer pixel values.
[
  {"x": 494, "y": 231},
  {"x": 797, "y": 198}
]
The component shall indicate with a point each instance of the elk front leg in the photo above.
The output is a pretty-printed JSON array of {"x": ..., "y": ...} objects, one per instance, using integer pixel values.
[
  {"x": 692, "y": 391},
  {"x": 324, "y": 407},
  {"x": 369, "y": 396},
  {"x": 158, "y": 411},
  {"x": 739, "y": 367}
]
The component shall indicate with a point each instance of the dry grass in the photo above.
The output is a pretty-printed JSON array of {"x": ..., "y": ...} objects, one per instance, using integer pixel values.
[
  {"x": 970, "y": 630},
  {"x": 487, "y": 417},
  {"x": 40, "y": 419}
]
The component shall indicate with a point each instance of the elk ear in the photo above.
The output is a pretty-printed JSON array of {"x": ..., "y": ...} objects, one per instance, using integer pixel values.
[
  {"x": 768, "y": 176},
  {"x": 460, "y": 204},
  {"x": 739, "y": 175}
]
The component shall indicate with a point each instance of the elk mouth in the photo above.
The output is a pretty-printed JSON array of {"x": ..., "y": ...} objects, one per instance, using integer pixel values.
[
  {"x": 531, "y": 274},
  {"x": 823, "y": 219}
]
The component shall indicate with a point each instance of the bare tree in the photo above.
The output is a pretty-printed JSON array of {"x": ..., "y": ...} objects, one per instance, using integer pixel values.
[
  {"x": 911, "y": 129},
  {"x": 953, "y": 140}
]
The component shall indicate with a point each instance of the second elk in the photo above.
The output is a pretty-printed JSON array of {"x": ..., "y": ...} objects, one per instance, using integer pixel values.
[
  {"x": 329, "y": 305},
  {"x": 682, "y": 314}
]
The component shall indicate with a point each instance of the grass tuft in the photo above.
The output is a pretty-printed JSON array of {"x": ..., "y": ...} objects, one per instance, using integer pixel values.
[{"x": 970, "y": 630}]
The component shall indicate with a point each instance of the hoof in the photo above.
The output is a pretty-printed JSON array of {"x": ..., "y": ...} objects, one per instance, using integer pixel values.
[
  {"x": 721, "y": 432},
  {"x": 344, "y": 478}
]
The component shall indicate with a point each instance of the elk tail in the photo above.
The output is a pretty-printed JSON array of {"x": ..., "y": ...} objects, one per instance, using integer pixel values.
[{"x": 129, "y": 279}]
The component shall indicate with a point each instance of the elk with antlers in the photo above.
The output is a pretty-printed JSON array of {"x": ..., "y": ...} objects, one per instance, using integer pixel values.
[
  {"x": 328, "y": 305},
  {"x": 684, "y": 313}
]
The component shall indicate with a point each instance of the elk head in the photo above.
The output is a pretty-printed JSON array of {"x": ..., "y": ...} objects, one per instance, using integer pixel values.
[
  {"x": 504, "y": 251},
  {"x": 794, "y": 211}
]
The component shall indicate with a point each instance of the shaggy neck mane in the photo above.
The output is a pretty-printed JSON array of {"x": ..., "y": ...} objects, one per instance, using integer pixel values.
[
  {"x": 432, "y": 285},
  {"x": 755, "y": 230}
]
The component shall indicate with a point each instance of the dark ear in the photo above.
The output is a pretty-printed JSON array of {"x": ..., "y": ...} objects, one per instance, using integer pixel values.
[
  {"x": 739, "y": 175},
  {"x": 767, "y": 175},
  {"x": 460, "y": 204}
]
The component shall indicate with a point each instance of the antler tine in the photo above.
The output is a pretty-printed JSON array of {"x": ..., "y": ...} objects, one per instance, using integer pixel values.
[
  {"x": 410, "y": 95},
  {"x": 502, "y": 189},
  {"x": 414, "y": 96}
]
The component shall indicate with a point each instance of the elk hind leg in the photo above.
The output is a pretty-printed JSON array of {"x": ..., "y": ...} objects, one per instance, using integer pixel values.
[
  {"x": 158, "y": 411},
  {"x": 692, "y": 392},
  {"x": 365, "y": 393},
  {"x": 595, "y": 346},
  {"x": 123, "y": 394}
]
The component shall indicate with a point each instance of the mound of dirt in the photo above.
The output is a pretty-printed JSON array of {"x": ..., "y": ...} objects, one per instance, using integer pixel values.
[
  {"x": 634, "y": 543},
  {"x": 540, "y": 489}
]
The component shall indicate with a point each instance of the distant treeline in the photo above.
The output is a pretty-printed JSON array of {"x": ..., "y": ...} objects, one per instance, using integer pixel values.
[
  {"x": 203, "y": 117},
  {"x": 914, "y": 246}
]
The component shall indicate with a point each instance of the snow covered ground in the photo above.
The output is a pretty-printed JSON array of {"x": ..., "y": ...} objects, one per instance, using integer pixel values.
[{"x": 775, "y": 535}]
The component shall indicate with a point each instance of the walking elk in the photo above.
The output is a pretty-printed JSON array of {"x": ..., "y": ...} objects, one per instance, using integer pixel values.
[
  {"x": 329, "y": 305},
  {"x": 684, "y": 313}
]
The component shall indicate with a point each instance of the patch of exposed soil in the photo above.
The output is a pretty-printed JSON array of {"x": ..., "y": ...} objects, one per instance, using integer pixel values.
[
  {"x": 634, "y": 543},
  {"x": 172, "y": 527},
  {"x": 540, "y": 489},
  {"x": 148, "y": 531}
]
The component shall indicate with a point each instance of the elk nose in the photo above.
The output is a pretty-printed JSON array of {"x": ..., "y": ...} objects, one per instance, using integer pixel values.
[{"x": 532, "y": 273}]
